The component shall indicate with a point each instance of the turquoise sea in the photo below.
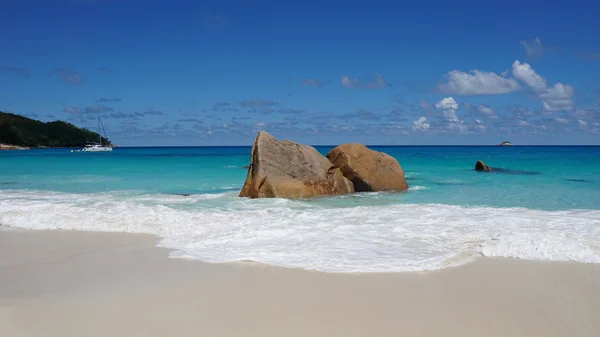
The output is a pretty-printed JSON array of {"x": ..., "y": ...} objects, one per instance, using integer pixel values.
[{"x": 545, "y": 205}]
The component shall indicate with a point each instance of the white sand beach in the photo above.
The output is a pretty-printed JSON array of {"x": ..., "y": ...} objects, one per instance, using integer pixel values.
[{"x": 63, "y": 283}]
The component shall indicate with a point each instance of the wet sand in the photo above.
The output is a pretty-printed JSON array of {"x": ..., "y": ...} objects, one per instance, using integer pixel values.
[{"x": 63, "y": 283}]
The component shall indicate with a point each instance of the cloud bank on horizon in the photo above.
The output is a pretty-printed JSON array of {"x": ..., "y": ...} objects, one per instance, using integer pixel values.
[{"x": 380, "y": 74}]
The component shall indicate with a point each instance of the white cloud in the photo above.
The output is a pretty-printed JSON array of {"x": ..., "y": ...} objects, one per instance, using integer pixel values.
[
  {"x": 478, "y": 83},
  {"x": 349, "y": 82},
  {"x": 523, "y": 123},
  {"x": 458, "y": 126},
  {"x": 580, "y": 113},
  {"x": 448, "y": 106},
  {"x": 486, "y": 110},
  {"x": 447, "y": 103},
  {"x": 420, "y": 124},
  {"x": 479, "y": 125},
  {"x": 555, "y": 98},
  {"x": 582, "y": 124},
  {"x": 526, "y": 74},
  {"x": 561, "y": 120},
  {"x": 533, "y": 49},
  {"x": 558, "y": 97}
]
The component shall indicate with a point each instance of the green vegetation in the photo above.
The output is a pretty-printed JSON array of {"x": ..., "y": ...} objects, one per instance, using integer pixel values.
[{"x": 23, "y": 131}]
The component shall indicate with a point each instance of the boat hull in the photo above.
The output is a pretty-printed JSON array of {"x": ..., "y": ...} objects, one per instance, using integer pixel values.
[{"x": 97, "y": 149}]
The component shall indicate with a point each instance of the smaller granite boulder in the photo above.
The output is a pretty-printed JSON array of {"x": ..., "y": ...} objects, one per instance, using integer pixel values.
[
  {"x": 481, "y": 166},
  {"x": 369, "y": 171}
]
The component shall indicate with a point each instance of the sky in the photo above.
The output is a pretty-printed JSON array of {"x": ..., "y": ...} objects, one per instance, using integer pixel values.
[{"x": 182, "y": 72}]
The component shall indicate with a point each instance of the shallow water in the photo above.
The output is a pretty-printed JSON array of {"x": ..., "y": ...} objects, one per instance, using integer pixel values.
[{"x": 188, "y": 197}]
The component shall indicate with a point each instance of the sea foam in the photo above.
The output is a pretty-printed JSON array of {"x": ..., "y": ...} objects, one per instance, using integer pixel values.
[{"x": 316, "y": 235}]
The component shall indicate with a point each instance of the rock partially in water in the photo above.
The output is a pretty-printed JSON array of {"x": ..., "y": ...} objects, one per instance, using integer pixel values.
[
  {"x": 369, "y": 170},
  {"x": 481, "y": 166},
  {"x": 285, "y": 169}
]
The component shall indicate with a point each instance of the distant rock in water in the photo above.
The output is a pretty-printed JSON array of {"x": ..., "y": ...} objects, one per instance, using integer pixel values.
[
  {"x": 369, "y": 170},
  {"x": 481, "y": 166},
  {"x": 247, "y": 166},
  {"x": 285, "y": 169}
]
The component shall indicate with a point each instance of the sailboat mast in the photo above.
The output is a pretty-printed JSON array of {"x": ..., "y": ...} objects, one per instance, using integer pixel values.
[{"x": 99, "y": 134}]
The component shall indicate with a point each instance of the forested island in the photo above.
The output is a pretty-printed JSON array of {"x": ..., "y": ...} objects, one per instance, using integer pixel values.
[{"x": 18, "y": 132}]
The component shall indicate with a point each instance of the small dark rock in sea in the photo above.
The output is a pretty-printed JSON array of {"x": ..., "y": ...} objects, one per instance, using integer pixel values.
[
  {"x": 481, "y": 166},
  {"x": 247, "y": 166}
]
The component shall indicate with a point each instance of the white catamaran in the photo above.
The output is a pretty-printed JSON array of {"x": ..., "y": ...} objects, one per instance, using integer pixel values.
[{"x": 98, "y": 147}]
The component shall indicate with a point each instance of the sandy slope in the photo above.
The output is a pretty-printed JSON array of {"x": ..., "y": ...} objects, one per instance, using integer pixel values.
[{"x": 58, "y": 283}]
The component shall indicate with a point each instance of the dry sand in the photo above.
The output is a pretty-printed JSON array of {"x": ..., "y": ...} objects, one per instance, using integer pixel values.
[{"x": 59, "y": 283}]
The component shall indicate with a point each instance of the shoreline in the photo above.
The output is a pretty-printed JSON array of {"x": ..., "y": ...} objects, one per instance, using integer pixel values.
[
  {"x": 8, "y": 147},
  {"x": 70, "y": 283},
  {"x": 157, "y": 240},
  {"x": 217, "y": 243}
]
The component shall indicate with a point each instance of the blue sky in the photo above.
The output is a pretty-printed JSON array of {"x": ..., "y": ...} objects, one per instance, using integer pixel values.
[{"x": 185, "y": 72}]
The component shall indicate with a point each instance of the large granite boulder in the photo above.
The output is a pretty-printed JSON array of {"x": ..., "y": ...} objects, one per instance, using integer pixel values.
[
  {"x": 285, "y": 169},
  {"x": 369, "y": 170},
  {"x": 481, "y": 166}
]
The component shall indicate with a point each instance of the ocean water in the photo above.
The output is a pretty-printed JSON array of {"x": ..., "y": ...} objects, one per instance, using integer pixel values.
[{"x": 544, "y": 206}]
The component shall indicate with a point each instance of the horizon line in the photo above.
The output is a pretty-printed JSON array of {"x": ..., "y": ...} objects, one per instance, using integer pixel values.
[{"x": 377, "y": 145}]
